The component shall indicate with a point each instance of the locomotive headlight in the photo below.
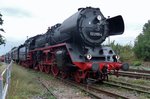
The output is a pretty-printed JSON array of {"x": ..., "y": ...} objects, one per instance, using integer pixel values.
[
  {"x": 99, "y": 17},
  {"x": 117, "y": 57},
  {"x": 89, "y": 56}
]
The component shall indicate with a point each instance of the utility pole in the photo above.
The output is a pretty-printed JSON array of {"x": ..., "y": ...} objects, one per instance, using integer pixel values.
[
  {"x": 108, "y": 36},
  {"x": 108, "y": 40}
]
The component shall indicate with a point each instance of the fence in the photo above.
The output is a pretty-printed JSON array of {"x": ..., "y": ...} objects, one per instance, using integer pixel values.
[{"x": 5, "y": 80}]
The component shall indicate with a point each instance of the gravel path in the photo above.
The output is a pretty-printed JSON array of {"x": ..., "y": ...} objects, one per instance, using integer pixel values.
[
  {"x": 60, "y": 90},
  {"x": 64, "y": 91}
]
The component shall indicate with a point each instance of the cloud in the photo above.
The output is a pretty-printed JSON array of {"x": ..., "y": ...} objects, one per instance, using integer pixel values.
[
  {"x": 24, "y": 18},
  {"x": 16, "y": 12}
]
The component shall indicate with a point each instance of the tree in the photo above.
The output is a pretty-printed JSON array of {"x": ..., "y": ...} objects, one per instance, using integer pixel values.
[
  {"x": 142, "y": 43},
  {"x": 124, "y": 51},
  {"x": 2, "y": 40}
]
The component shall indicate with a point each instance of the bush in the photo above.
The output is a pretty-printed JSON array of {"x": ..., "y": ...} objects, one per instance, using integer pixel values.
[
  {"x": 142, "y": 43},
  {"x": 136, "y": 63},
  {"x": 124, "y": 51}
]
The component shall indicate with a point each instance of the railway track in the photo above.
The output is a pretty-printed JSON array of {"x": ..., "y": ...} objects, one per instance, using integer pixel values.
[
  {"x": 46, "y": 87},
  {"x": 134, "y": 74},
  {"x": 94, "y": 91},
  {"x": 98, "y": 93},
  {"x": 129, "y": 86},
  {"x": 140, "y": 71}
]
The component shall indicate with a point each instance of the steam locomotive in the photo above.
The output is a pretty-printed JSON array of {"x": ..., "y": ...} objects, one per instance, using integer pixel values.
[
  {"x": 74, "y": 48},
  {"x": 2, "y": 58}
]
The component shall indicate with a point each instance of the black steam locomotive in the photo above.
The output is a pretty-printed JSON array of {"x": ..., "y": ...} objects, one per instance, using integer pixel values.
[{"x": 74, "y": 48}]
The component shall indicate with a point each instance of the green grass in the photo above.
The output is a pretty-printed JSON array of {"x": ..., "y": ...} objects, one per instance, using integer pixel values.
[
  {"x": 139, "y": 67},
  {"x": 130, "y": 80},
  {"x": 0, "y": 64},
  {"x": 136, "y": 63},
  {"x": 24, "y": 84},
  {"x": 2, "y": 67},
  {"x": 142, "y": 82}
]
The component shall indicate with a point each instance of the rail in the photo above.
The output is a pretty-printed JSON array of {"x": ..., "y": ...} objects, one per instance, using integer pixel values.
[
  {"x": 134, "y": 74},
  {"x": 5, "y": 80},
  {"x": 93, "y": 90}
]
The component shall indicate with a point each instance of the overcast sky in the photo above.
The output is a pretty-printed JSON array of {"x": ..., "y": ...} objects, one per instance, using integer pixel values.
[{"x": 24, "y": 18}]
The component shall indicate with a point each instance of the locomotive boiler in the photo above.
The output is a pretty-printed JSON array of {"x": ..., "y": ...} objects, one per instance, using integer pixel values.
[
  {"x": 74, "y": 48},
  {"x": 88, "y": 25}
]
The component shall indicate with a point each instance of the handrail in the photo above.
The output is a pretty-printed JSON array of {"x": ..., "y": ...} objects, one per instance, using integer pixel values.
[{"x": 5, "y": 84}]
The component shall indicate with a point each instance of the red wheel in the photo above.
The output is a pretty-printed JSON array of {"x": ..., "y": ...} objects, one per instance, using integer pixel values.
[
  {"x": 55, "y": 70},
  {"x": 22, "y": 63},
  {"x": 64, "y": 75},
  {"x": 27, "y": 66},
  {"x": 41, "y": 67},
  {"x": 77, "y": 76},
  {"x": 36, "y": 67},
  {"x": 47, "y": 69}
]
